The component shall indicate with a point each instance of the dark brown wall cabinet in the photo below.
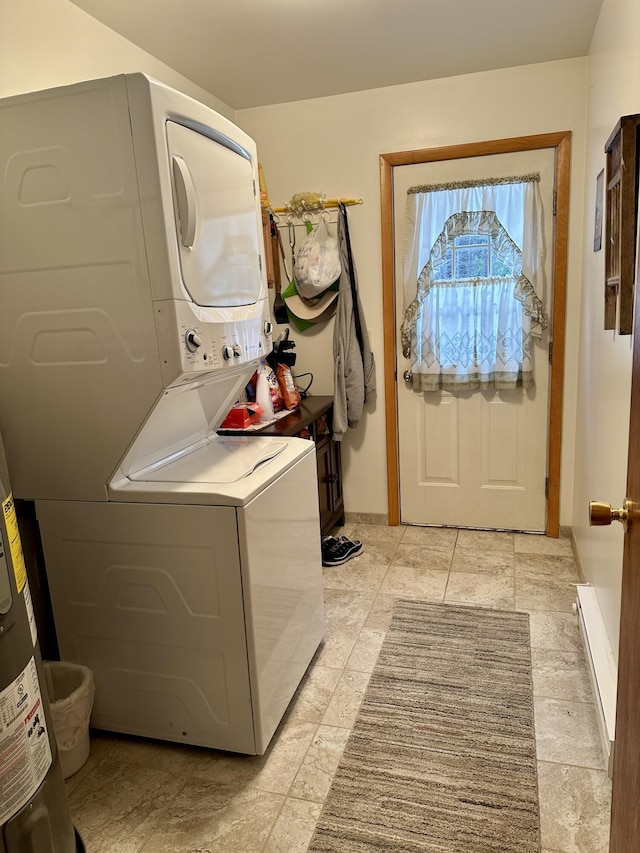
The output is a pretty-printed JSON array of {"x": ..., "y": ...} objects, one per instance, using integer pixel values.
[
  {"x": 329, "y": 483},
  {"x": 621, "y": 173}
]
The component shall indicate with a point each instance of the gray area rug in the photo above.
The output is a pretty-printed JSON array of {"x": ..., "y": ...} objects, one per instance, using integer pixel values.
[{"x": 442, "y": 756}]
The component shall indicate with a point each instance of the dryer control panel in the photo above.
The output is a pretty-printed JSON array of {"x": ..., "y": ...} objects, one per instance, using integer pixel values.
[{"x": 195, "y": 340}]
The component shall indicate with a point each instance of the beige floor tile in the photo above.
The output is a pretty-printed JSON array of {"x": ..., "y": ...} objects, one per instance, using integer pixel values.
[
  {"x": 360, "y": 574},
  {"x": 294, "y": 827},
  {"x": 118, "y": 805},
  {"x": 314, "y": 694},
  {"x": 435, "y": 558},
  {"x": 314, "y": 777},
  {"x": 472, "y": 560},
  {"x": 567, "y": 733},
  {"x": 551, "y": 565},
  {"x": 443, "y": 537},
  {"x": 415, "y": 583},
  {"x": 381, "y": 533},
  {"x": 100, "y": 744},
  {"x": 381, "y": 612},
  {"x": 481, "y": 589},
  {"x": 485, "y": 540},
  {"x": 366, "y": 650},
  {"x": 172, "y": 758},
  {"x": 188, "y": 761},
  {"x": 273, "y": 771},
  {"x": 574, "y": 808},
  {"x": 344, "y": 530},
  {"x": 213, "y": 818},
  {"x": 376, "y": 552},
  {"x": 555, "y": 631},
  {"x": 346, "y": 700},
  {"x": 276, "y": 769},
  {"x": 560, "y": 675},
  {"x": 532, "y": 543},
  {"x": 345, "y": 613},
  {"x": 536, "y": 592}
]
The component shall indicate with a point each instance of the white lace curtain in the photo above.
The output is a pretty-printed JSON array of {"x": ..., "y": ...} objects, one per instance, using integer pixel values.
[{"x": 467, "y": 331}]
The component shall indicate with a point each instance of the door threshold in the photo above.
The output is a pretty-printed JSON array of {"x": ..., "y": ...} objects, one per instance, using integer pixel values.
[{"x": 464, "y": 527}]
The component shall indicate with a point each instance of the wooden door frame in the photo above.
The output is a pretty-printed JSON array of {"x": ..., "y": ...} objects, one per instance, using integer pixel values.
[{"x": 561, "y": 142}]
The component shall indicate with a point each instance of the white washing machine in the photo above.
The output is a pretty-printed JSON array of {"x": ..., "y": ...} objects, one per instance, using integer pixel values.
[
  {"x": 197, "y": 602},
  {"x": 184, "y": 568}
]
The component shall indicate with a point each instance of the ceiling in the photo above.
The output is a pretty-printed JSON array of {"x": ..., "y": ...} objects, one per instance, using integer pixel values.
[{"x": 255, "y": 52}]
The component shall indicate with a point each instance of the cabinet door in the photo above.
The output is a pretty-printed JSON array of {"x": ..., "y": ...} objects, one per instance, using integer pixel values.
[
  {"x": 335, "y": 483},
  {"x": 270, "y": 251},
  {"x": 325, "y": 483},
  {"x": 329, "y": 483}
]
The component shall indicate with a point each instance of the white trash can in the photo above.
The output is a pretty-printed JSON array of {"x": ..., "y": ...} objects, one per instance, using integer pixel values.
[{"x": 71, "y": 690}]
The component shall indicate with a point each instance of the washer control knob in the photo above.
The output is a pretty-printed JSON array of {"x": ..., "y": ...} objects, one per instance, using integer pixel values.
[
  {"x": 268, "y": 328},
  {"x": 237, "y": 350},
  {"x": 227, "y": 352},
  {"x": 192, "y": 340}
]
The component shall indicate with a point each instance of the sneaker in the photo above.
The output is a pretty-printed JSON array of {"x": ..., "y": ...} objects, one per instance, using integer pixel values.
[
  {"x": 328, "y": 542},
  {"x": 335, "y": 552}
]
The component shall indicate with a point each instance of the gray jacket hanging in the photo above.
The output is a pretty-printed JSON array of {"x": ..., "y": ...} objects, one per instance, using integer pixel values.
[{"x": 354, "y": 370}]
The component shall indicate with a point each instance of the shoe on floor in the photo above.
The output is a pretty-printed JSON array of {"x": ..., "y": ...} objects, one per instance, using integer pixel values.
[
  {"x": 335, "y": 552},
  {"x": 329, "y": 541}
]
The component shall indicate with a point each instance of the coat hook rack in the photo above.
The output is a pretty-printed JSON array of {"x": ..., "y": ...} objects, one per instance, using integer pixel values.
[{"x": 328, "y": 202}]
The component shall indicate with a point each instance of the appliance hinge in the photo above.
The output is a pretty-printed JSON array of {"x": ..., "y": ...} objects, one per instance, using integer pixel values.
[
  {"x": 260, "y": 262},
  {"x": 546, "y": 487},
  {"x": 550, "y": 352},
  {"x": 555, "y": 202},
  {"x": 254, "y": 194}
]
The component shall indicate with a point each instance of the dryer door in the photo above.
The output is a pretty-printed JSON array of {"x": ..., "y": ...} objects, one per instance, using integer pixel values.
[{"x": 217, "y": 218}]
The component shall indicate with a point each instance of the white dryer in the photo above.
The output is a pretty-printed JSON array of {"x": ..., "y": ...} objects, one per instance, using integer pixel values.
[{"x": 184, "y": 568}]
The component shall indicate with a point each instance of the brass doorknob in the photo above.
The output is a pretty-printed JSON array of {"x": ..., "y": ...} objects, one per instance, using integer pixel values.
[{"x": 602, "y": 514}]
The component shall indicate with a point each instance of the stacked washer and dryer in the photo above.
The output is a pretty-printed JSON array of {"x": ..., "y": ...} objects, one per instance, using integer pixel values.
[{"x": 184, "y": 567}]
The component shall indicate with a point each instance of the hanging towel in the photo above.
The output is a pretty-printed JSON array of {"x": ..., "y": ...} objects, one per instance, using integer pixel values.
[{"x": 354, "y": 371}]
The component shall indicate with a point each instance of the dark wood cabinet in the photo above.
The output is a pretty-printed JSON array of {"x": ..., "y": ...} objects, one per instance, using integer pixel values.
[
  {"x": 329, "y": 483},
  {"x": 271, "y": 257},
  {"x": 313, "y": 421},
  {"x": 622, "y": 169}
]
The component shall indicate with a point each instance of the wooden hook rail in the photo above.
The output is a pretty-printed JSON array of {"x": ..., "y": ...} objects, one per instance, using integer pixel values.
[{"x": 328, "y": 202}]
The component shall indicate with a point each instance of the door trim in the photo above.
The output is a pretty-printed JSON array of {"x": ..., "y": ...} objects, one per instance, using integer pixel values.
[{"x": 561, "y": 141}]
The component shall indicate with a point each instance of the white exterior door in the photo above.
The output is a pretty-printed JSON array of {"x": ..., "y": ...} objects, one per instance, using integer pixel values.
[{"x": 475, "y": 458}]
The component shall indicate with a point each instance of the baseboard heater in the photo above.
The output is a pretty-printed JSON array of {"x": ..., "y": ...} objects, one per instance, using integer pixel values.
[{"x": 602, "y": 666}]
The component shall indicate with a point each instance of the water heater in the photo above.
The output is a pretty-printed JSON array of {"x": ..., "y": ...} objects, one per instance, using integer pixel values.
[{"x": 34, "y": 812}]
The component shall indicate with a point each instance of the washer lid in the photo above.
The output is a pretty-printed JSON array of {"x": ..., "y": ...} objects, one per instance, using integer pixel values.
[
  {"x": 223, "y": 460},
  {"x": 194, "y": 478}
]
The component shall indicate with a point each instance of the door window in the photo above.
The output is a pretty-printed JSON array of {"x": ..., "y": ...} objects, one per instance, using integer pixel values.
[{"x": 473, "y": 311}]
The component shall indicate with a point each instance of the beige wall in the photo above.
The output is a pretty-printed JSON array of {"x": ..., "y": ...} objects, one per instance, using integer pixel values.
[
  {"x": 332, "y": 145},
  {"x": 605, "y": 358},
  {"x": 46, "y": 43}
]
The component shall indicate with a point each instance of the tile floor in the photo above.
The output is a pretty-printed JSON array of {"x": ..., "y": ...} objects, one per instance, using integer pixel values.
[{"x": 137, "y": 796}]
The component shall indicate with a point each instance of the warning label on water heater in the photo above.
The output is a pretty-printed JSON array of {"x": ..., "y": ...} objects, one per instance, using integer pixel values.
[
  {"x": 25, "y": 753},
  {"x": 15, "y": 545}
]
